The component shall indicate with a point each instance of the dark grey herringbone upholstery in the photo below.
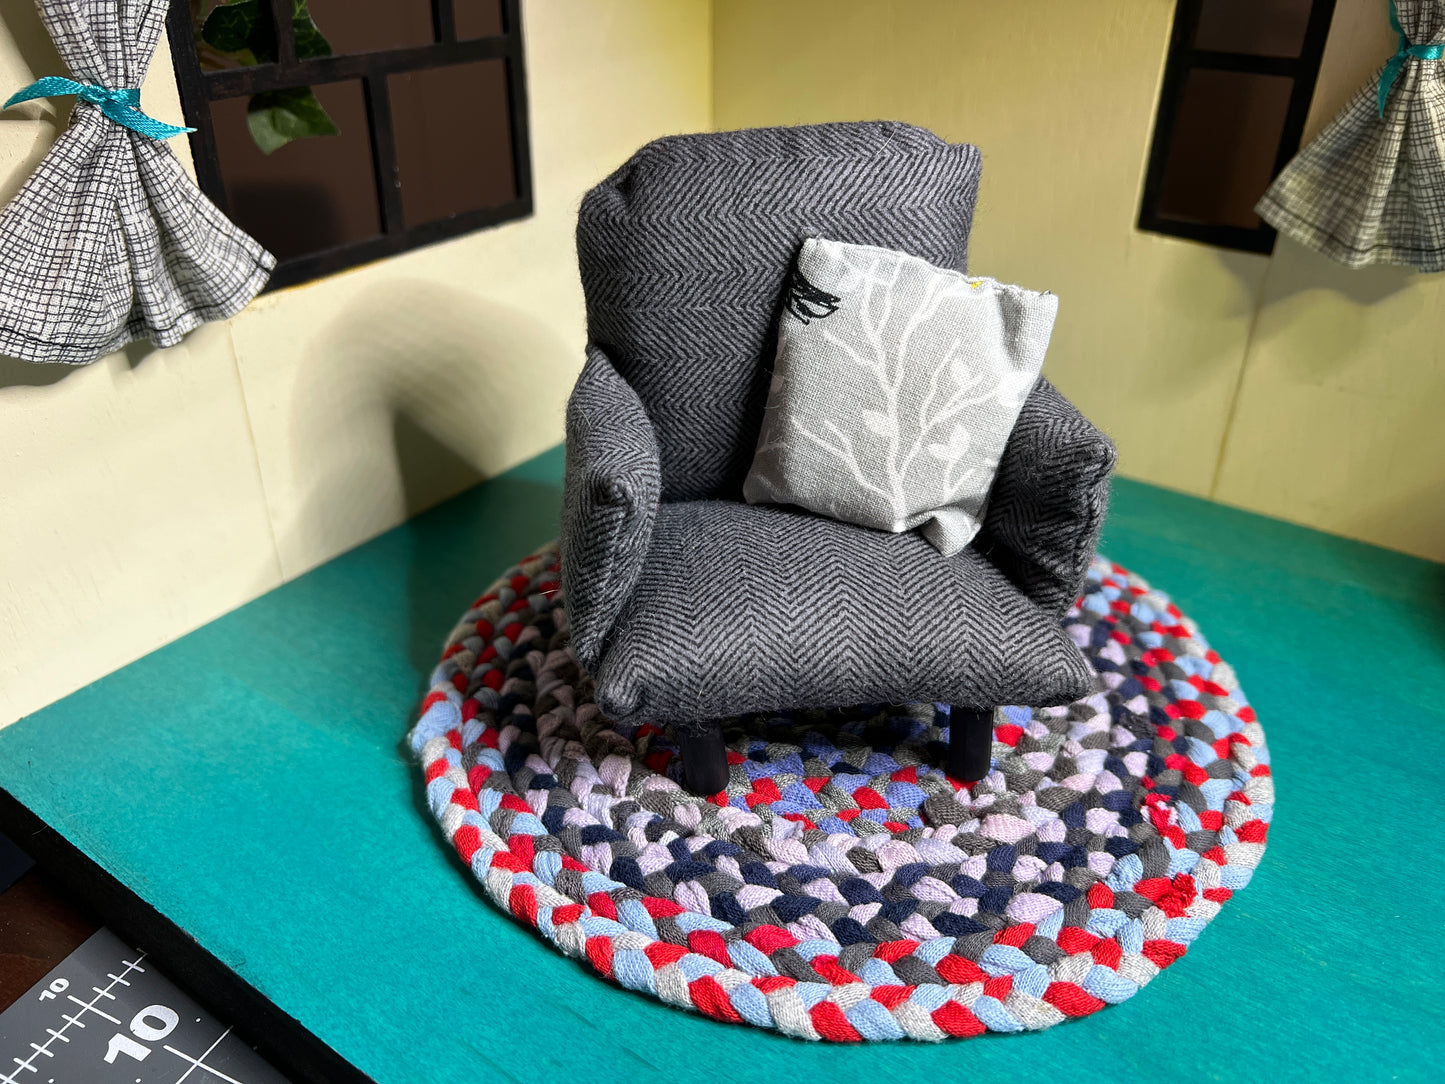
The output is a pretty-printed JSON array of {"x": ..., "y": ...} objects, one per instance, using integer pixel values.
[
  {"x": 610, "y": 500},
  {"x": 1047, "y": 504},
  {"x": 772, "y": 607},
  {"x": 687, "y": 605},
  {"x": 684, "y": 252}
]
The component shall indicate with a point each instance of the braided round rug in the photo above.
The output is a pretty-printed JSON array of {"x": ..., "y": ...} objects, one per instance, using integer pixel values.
[{"x": 843, "y": 887}]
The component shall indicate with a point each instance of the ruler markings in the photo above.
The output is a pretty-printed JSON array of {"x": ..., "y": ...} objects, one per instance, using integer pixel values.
[
  {"x": 235, "y": 1063},
  {"x": 201, "y": 1062},
  {"x": 91, "y": 1008},
  {"x": 75, "y": 1020},
  {"x": 195, "y": 1063}
]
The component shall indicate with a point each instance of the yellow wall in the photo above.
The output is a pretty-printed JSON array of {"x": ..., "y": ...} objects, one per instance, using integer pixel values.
[
  {"x": 1282, "y": 384},
  {"x": 152, "y": 491},
  {"x": 148, "y": 493},
  {"x": 1059, "y": 95}
]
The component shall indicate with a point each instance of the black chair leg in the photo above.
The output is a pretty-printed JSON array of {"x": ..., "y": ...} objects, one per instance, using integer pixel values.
[
  {"x": 970, "y": 743},
  {"x": 704, "y": 760},
  {"x": 970, "y": 752}
]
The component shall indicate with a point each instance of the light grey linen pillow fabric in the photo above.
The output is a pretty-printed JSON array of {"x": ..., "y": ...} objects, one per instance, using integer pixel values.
[{"x": 894, "y": 391}]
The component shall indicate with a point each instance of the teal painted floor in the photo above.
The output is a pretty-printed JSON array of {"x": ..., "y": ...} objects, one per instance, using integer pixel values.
[{"x": 249, "y": 782}]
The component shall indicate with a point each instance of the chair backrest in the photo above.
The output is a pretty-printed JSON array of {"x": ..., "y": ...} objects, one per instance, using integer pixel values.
[{"x": 685, "y": 253}]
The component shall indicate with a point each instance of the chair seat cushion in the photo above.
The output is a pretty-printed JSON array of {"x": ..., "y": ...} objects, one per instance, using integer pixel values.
[{"x": 741, "y": 609}]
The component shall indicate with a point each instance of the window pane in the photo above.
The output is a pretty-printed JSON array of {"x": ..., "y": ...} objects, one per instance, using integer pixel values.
[
  {"x": 365, "y": 26},
  {"x": 234, "y": 38},
  {"x": 452, "y": 159},
  {"x": 312, "y": 193},
  {"x": 1222, "y": 153},
  {"x": 1258, "y": 27},
  {"x": 477, "y": 18}
]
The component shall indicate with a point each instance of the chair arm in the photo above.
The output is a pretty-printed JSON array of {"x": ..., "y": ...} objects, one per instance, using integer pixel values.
[
  {"x": 1048, "y": 501},
  {"x": 609, "y": 502}
]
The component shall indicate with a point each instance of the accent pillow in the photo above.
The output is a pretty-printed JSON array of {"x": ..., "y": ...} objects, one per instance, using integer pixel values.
[{"x": 894, "y": 391}]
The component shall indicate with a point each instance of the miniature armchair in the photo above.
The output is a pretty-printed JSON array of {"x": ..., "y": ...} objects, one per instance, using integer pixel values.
[{"x": 687, "y": 605}]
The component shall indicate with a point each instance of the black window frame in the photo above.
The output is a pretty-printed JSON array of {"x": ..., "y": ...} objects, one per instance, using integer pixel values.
[
  {"x": 1183, "y": 59},
  {"x": 198, "y": 89}
]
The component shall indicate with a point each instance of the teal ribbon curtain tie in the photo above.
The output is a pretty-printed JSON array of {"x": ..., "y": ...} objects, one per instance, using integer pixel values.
[
  {"x": 1404, "y": 52},
  {"x": 121, "y": 106},
  {"x": 110, "y": 240},
  {"x": 1370, "y": 187}
]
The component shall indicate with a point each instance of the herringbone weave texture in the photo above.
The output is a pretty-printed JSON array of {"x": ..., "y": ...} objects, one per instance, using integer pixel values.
[
  {"x": 1048, "y": 501},
  {"x": 676, "y": 601},
  {"x": 609, "y": 500},
  {"x": 742, "y": 608},
  {"x": 685, "y": 251},
  {"x": 704, "y": 628}
]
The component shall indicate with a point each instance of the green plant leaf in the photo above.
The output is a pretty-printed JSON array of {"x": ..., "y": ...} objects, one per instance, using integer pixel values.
[
  {"x": 241, "y": 28},
  {"x": 310, "y": 42},
  {"x": 276, "y": 117},
  {"x": 238, "y": 28},
  {"x": 279, "y": 116}
]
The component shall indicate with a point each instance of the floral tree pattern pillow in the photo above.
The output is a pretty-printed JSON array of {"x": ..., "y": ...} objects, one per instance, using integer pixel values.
[{"x": 894, "y": 391}]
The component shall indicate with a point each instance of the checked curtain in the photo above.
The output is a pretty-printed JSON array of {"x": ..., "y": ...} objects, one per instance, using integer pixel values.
[
  {"x": 1371, "y": 187},
  {"x": 110, "y": 240}
]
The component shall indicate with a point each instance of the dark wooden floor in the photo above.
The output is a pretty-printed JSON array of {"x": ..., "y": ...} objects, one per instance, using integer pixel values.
[{"x": 39, "y": 925}]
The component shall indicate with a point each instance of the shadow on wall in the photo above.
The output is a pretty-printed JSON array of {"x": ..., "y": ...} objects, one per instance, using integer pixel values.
[
  {"x": 1338, "y": 333},
  {"x": 458, "y": 367},
  {"x": 1294, "y": 270},
  {"x": 1170, "y": 315},
  {"x": 459, "y": 548},
  {"x": 412, "y": 396},
  {"x": 15, "y": 373}
]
